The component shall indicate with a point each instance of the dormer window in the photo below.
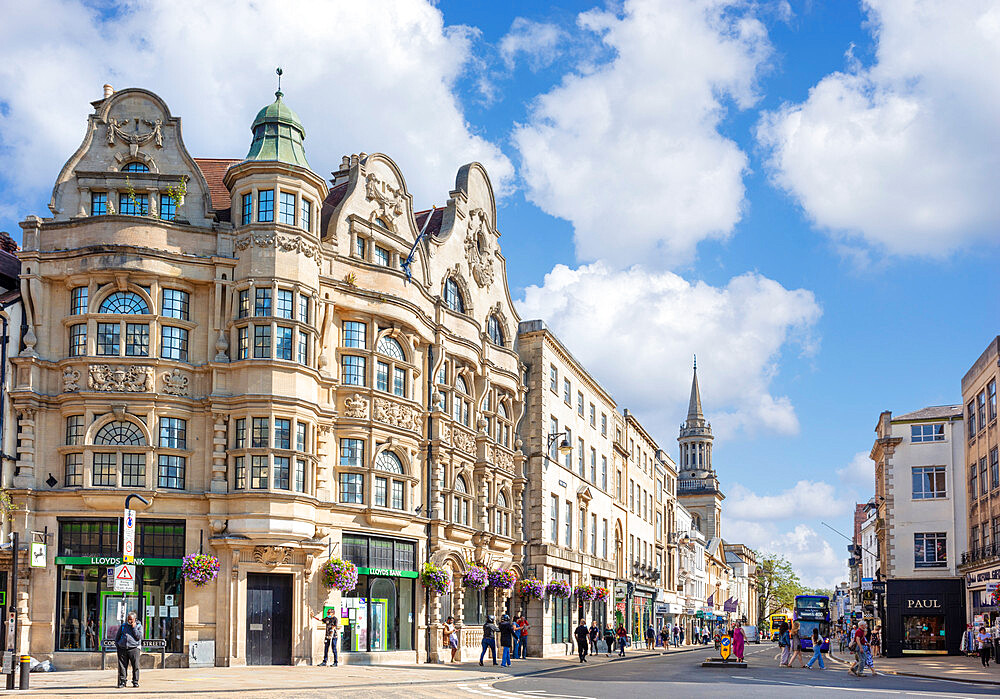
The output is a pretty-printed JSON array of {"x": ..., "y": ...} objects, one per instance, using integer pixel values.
[
  {"x": 135, "y": 166},
  {"x": 133, "y": 204},
  {"x": 98, "y": 203},
  {"x": 495, "y": 331},
  {"x": 453, "y": 296}
]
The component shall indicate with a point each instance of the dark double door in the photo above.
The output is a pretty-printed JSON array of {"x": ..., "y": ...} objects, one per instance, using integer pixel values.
[{"x": 269, "y": 619}]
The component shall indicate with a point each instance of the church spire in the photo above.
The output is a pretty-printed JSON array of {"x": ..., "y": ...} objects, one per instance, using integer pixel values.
[{"x": 694, "y": 405}]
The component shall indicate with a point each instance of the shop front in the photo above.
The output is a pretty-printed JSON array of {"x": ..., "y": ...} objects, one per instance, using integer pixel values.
[
  {"x": 623, "y": 598},
  {"x": 378, "y": 615},
  {"x": 979, "y": 586},
  {"x": 642, "y": 612},
  {"x": 924, "y": 617},
  {"x": 88, "y": 610}
]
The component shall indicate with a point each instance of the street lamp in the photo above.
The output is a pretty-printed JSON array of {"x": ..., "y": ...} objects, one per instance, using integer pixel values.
[{"x": 564, "y": 446}]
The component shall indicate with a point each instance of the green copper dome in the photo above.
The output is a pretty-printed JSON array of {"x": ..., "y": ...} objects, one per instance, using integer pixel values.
[{"x": 278, "y": 135}]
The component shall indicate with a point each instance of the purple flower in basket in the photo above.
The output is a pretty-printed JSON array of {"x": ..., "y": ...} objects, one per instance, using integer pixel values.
[
  {"x": 558, "y": 588},
  {"x": 339, "y": 574},
  {"x": 199, "y": 568},
  {"x": 436, "y": 579},
  {"x": 502, "y": 578},
  {"x": 586, "y": 593},
  {"x": 530, "y": 588},
  {"x": 475, "y": 577},
  {"x": 602, "y": 594}
]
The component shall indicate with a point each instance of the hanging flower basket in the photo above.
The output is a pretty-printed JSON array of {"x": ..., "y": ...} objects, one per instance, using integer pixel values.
[
  {"x": 586, "y": 593},
  {"x": 475, "y": 577},
  {"x": 436, "y": 579},
  {"x": 339, "y": 574},
  {"x": 558, "y": 588},
  {"x": 530, "y": 588},
  {"x": 502, "y": 579},
  {"x": 199, "y": 568},
  {"x": 602, "y": 594}
]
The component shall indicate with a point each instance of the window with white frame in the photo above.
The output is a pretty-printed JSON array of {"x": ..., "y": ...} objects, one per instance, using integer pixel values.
[
  {"x": 929, "y": 482},
  {"x": 927, "y": 433},
  {"x": 930, "y": 550}
]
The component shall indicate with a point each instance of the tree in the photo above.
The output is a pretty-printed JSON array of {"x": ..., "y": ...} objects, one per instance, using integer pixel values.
[{"x": 777, "y": 583}]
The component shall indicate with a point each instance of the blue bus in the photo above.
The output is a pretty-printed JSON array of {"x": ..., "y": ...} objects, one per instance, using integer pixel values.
[{"x": 812, "y": 611}]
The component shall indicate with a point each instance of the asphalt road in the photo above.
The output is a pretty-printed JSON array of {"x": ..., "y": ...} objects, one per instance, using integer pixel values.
[{"x": 681, "y": 675}]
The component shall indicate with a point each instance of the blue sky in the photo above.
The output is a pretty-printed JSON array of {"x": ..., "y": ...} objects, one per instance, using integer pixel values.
[{"x": 801, "y": 193}]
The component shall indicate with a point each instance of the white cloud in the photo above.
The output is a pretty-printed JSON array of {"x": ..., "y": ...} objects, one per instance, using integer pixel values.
[
  {"x": 372, "y": 76},
  {"x": 903, "y": 154},
  {"x": 859, "y": 475},
  {"x": 799, "y": 502},
  {"x": 628, "y": 149},
  {"x": 658, "y": 320},
  {"x": 538, "y": 42}
]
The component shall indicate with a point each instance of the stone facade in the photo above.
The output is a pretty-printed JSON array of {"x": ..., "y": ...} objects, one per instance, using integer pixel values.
[{"x": 238, "y": 342}]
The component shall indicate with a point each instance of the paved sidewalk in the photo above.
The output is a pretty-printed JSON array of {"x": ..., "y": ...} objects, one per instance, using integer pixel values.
[
  {"x": 939, "y": 667},
  {"x": 360, "y": 681}
]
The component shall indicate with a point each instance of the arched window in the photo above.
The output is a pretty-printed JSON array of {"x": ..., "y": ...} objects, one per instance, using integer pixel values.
[
  {"x": 461, "y": 405},
  {"x": 503, "y": 425},
  {"x": 133, "y": 464},
  {"x": 453, "y": 296},
  {"x": 495, "y": 330},
  {"x": 461, "y": 503},
  {"x": 124, "y": 303},
  {"x": 390, "y": 348},
  {"x": 389, "y": 492},
  {"x": 135, "y": 166},
  {"x": 502, "y": 515},
  {"x": 388, "y": 461}
]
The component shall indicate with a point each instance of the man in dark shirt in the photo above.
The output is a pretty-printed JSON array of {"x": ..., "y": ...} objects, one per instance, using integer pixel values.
[
  {"x": 506, "y": 639},
  {"x": 595, "y": 636},
  {"x": 128, "y": 643},
  {"x": 332, "y": 637},
  {"x": 490, "y": 631},
  {"x": 582, "y": 639}
]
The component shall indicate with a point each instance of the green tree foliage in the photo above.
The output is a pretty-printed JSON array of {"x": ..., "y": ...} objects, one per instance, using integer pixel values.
[{"x": 777, "y": 583}]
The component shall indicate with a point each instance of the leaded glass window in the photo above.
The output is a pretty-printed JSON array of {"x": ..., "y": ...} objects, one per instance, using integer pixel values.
[
  {"x": 121, "y": 433},
  {"x": 124, "y": 303}
]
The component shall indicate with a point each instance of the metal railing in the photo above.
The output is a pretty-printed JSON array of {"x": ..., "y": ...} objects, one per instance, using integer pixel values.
[{"x": 981, "y": 553}]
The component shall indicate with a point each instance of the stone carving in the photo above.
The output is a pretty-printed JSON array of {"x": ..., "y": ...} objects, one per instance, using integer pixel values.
[
  {"x": 397, "y": 414},
  {"x": 465, "y": 442},
  {"x": 236, "y": 564},
  {"x": 71, "y": 380},
  {"x": 272, "y": 555},
  {"x": 120, "y": 379},
  {"x": 285, "y": 243},
  {"x": 116, "y": 131},
  {"x": 388, "y": 201},
  {"x": 444, "y": 432},
  {"x": 478, "y": 251},
  {"x": 356, "y": 407},
  {"x": 503, "y": 459},
  {"x": 175, "y": 383}
]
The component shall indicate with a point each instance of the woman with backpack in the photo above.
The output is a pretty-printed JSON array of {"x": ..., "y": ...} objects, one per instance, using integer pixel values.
[{"x": 784, "y": 643}]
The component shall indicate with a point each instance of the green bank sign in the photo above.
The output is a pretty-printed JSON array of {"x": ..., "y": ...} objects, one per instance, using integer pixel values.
[
  {"x": 388, "y": 572},
  {"x": 115, "y": 560}
]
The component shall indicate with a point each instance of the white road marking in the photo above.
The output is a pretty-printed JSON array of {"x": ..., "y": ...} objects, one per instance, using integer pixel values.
[{"x": 868, "y": 690}]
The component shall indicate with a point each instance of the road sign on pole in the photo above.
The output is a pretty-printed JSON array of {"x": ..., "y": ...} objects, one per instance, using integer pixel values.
[
  {"x": 125, "y": 578},
  {"x": 128, "y": 539}
]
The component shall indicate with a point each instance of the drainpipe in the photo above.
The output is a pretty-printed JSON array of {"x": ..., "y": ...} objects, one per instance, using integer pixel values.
[{"x": 430, "y": 475}]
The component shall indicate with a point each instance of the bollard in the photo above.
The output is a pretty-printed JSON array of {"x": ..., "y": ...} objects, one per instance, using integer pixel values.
[
  {"x": 11, "y": 678},
  {"x": 25, "y": 671}
]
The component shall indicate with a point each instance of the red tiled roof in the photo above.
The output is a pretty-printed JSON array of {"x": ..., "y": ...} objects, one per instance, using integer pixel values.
[
  {"x": 434, "y": 228},
  {"x": 214, "y": 169}
]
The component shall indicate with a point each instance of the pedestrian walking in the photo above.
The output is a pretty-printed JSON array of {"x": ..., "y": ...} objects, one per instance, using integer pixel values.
[
  {"x": 490, "y": 631},
  {"x": 595, "y": 636},
  {"x": 817, "y": 641},
  {"x": 609, "y": 638},
  {"x": 859, "y": 645},
  {"x": 517, "y": 638},
  {"x": 784, "y": 643},
  {"x": 676, "y": 634},
  {"x": 876, "y": 641},
  {"x": 506, "y": 639},
  {"x": 739, "y": 641},
  {"x": 128, "y": 642},
  {"x": 331, "y": 635},
  {"x": 523, "y": 623},
  {"x": 796, "y": 645},
  {"x": 582, "y": 634},
  {"x": 650, "y": 637},
  {"x": 622, "y": 637},
  {"x": 985, "y": 646}
]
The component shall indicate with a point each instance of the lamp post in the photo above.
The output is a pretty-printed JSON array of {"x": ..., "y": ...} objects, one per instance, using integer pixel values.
[{"x": 564, "y": 446}]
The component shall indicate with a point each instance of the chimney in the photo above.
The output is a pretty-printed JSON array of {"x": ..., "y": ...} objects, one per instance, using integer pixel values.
[{"x": 108, "y": 91}]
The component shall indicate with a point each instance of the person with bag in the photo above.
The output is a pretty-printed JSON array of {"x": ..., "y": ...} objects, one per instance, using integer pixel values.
[
  {"x": 859, "y": 646},
  {"x": 449, "y": 636},
  {"x": 985, "y": 646},
  {"x": 784, "y": 643},
  {"x": 128, "y": 643},
  {"x": 622, "y": 640},
  {"x": 490, "y": 631},
  {"x": 796, "y": 645},
  {"x": 817, "y": 641},
  {"x": 609, "y": 638}
]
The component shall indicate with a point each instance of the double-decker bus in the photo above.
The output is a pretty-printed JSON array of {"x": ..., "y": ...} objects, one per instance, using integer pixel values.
[
  {"x": 812, "y": 611},
  {"x": 775, "y": 623}
]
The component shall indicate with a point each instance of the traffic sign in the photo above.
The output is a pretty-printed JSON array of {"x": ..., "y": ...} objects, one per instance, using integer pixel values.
[
  {"x": 726, "y": 647},
  {"x": 128, "y": 538},
  {"x": 125, "y": 578}
]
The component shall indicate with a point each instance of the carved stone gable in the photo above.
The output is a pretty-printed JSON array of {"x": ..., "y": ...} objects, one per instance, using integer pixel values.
[
  {"x": 479, "y": 248},
  {"x": 388, "y": 200},
  {"x": 272, "y": 555}
]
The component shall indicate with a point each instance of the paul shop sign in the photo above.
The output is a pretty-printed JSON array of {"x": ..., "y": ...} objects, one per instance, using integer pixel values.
[{"x": 924, "y": 604}]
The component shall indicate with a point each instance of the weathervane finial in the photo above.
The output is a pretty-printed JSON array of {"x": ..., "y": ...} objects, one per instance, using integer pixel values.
[{"x": 279, "y": 72}]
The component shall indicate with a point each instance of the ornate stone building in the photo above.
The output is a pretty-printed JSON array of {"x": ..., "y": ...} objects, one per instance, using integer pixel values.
[{"x": 286, "y": 368}]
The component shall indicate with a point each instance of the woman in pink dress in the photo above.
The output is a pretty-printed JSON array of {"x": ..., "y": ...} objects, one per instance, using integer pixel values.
[{"x": 738, "y": 639}]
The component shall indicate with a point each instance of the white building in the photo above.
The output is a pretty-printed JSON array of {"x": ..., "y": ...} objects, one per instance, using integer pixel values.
[{"x": 920, "y": 526}]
